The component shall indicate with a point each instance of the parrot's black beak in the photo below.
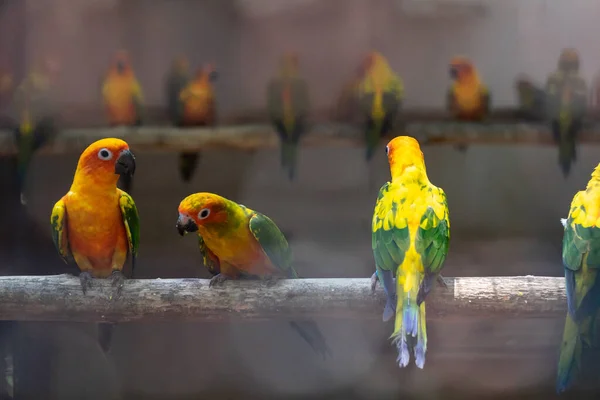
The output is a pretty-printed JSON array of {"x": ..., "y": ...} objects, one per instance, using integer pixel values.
[
  {"x": 125, "y": 164},
  {"x": 187, "y": 226},
  {"x": 453, "y": 73},
  {"x": 213, "y": 75}
]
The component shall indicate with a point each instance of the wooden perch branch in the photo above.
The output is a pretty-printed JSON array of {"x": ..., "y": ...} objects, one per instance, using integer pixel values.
[
  {"x": 254, "y": 137},
  {"x": 59, "y": 298}
]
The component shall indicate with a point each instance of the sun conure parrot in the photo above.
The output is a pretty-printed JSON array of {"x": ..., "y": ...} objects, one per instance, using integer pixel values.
[
  {"x": 96, "y": 224},
  {"x": 34, "y": 114},
  {"x": 531, "y": 99},
  {"x": 411, "y": 233},
  {"x": 566, "y": 102},
  {"x": 468, "y": 98},
  {"x": 198, "y": 108},
  {"x": 237, "y": 242},
  {"x": 123, "y": 99},
  {"x": 581, "y": 259},
  {"x": 380, "y": 97},
  {"x": 288, "y": 103}
]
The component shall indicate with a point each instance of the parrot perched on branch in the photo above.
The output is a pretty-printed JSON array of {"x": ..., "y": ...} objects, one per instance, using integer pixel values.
[
  {"x": 123, "y": 99},
  {"x": 566, "y": 102},
  {"x": 410, "y": 238},
  {"x": 236, "y": 242},
  {"x": 531, "y": 99},
  {"x": 581, "y": 259},
  {"x": 198, "y": 108},
  {"x": 288, "y": 102},
  {"x": 96, "y": 224},
  {"x": 380, "y": 98}
]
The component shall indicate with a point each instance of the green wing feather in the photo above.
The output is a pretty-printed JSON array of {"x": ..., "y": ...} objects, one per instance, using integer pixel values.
[
  {"x": 131, "y": 220},
  {"x": 273, "y": 243},
  {"x": 390, "y": 238},
  {"x": 210, "y": 260},
  {"x": 433, "y": 236},
  {"x": 58, "y": 223}
]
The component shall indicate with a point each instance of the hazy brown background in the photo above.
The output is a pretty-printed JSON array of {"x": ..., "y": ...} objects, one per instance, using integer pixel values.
[{"x": 505, "y": 201}]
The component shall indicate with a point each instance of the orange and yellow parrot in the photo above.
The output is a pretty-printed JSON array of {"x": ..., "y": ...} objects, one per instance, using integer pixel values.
[
  {"x": 288, "y": 103},
  {"x": 380, "y": 97},
  {"x": 410, "y": 239},
  {"x": 566, "y": 94},
  {"x": 198, "y": 108},
  {"x": 236, "y": 241},
  {"x": 96, "y": 224},
  {"x": 581, "y": 246}
]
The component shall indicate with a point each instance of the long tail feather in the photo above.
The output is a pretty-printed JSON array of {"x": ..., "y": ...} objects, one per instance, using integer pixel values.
[
  {"x": 289, "y": 153},
  {"x": 312, "y": 335},
  {"x": 105, "y": 333},
  {"x": 570, "y": 355}
]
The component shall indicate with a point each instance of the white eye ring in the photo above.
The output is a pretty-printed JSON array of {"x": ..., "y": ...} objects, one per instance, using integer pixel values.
[
  {"x": 204, "y": 213},
  {"x": 105, "y": 154}
]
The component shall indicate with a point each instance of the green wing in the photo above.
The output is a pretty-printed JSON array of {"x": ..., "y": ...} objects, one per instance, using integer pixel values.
[
  {"x": 579, "y": 239},
  {"x": 58, "y": 222},
  {"x": 390, "y": 238},
  {"x": 131, "y": 220},
  {"x": 273, "y": 243},
  {"x": 210, "y": 260},
  {"x": 433, "y": 236}
]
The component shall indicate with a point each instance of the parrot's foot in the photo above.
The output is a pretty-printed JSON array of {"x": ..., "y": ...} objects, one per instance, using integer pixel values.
[
  {"x": 374, "y": 280},
  {"x": 271, "y": 281},
  {"x": 442, "y": 282},
  {"x": 85, "y": 278},
  {"x": 118, "y": 280},
  {"x": 218, "y": 280}
]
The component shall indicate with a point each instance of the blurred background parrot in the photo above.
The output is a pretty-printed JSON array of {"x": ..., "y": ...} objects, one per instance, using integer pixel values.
[
  {"x": 410, "y": 239},
  {"x": 123, "y": 99},
  {"x": 566, "y": 102},
  {"x": 347, "y": 106},
  {"x": 288, "y": 102},
  {"x": 581, "y": 259},
  {"x": 99, "y": 248},
  {"x": 238, "y": 242},
  {"x": 380, "y": 96},
  {"x": 177, "y": 79},
  {"x": 198, "y": 108},
  {"x": 532, "y": 99},
  {"x": 34, "y": 115},
  {"x": 468, "y": 98}
]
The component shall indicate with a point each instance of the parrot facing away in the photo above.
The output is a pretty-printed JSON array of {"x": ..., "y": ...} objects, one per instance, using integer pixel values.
[
  {"x": 123, "y": 99},
  {"x": 380, "y": 98},
  {"x": 566, "y": 102},
  {"x": 531, "y": 99},
  {"x": 288, "y": 102},
  {"x": 96, "y": 224},
  {"x": 581, "y": 259},
  {"x": 198, "y": 108},
  {"x": 236, "y": 242},
  {"x": 410, "y": 239}
]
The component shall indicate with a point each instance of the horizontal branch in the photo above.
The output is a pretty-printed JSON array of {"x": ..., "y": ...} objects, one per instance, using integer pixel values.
[
  {"x": 254, "y": 137},
  {"x": 59, "y": 298}
]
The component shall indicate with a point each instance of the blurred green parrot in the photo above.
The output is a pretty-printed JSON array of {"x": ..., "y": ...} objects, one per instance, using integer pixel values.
[
  {"x": 581, "y": 260},
  {"x": 197, "y": 108},
  {"x": 380, "y": 97},
  {"x": 289, "y": 103},
  {"x": 532, "y": 98},
  {"x": 566, "y": 102}
]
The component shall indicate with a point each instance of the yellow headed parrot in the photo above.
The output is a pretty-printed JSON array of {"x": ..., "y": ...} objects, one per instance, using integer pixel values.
[
  {"x": 380, "y": 98},
  {"x": 198, "y": 108},
  {"x": 531, "y": 99},
  {"x": 581, "y": 259},
  {"x": 410, "y": 238},
  {"x": 566, "y": 102},
  {"x": 236, "y": 241},
  {"x": 288, "y": 103},
  {"x": 96, "y": 224},
  {"x": 468, "y": 98}
]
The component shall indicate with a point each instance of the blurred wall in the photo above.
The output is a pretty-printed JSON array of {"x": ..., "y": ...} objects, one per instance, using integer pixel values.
[{"x": 512, "y": 37}]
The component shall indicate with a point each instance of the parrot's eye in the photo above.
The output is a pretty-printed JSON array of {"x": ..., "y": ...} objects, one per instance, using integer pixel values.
[
  {"x": 387, "y": 150},
  {"x": 204, "y": 213},
  {"x": 105, "y": 154}
]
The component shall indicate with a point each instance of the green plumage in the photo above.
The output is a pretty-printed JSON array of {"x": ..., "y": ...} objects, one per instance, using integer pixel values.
[
  {"x": 532, "y": 101},
  {"x": 288, "y": 103},
  {"x": 566, "y": 99},
  {"x": 131, "y": 220}
]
